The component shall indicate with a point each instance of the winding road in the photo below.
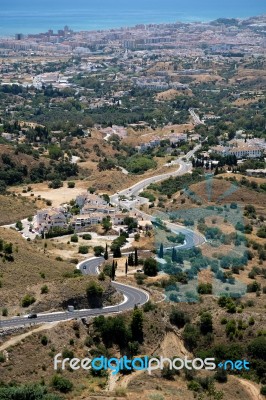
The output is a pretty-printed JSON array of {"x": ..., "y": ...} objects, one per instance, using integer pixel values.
[{"x": 132, "y": 296}]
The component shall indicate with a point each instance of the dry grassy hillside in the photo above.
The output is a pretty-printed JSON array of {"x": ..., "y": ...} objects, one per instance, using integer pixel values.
[
  {"x": 15, "y": 208},
  {"x": 31, "y": 270}
]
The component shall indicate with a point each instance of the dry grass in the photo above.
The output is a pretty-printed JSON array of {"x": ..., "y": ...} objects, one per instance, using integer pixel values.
[
  {"x": 23, "y": 276},
  {"x": 15, "y": 208}
]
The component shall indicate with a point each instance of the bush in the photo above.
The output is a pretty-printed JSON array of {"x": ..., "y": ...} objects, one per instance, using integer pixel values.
[
  {"x": 263, "y": 390},
  {"x": 98, "y": 251},
  {"x": 191, "y": 336},
  {"x": 28, "y": 300},
  {"x": 44, "y": 340},
  {"x": 83, "y": 249},
  {"x": 61, "y": 384},
  {"x": 94, "y": 294},
  {"x": 221, "y": 375},
  {"x": 71, "y": 185},
  {"x": 205, "y": 288},
  {"x": 206, "y": 323},
  {"x": 178, "y": 318},
  {"x": 257, "y": 348},
  {"x": 44, "y": 289},
  {"x": 5, "y": 312},
  {"x": 74, "y": 238},
  {"x": 149, "y": 306},
  {"x": 86, "y": 236},
  {"x": 55, "y": 184}
]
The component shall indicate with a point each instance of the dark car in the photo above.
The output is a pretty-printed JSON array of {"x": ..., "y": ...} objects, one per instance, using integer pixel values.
[{"x": 32, "y": 316}]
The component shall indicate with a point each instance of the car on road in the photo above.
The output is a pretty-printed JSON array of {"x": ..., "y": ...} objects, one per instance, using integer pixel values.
[
  {"x": 84, "y": 266},
  {"x": 33, "y": 315}
]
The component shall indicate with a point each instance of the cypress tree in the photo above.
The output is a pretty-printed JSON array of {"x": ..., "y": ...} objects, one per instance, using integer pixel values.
[
  {"x": 161, "y": 253},
  {"x": 136, "y": 260},
  {"x": 113, "y": 271},
  {"x": 106, "y": 256}
]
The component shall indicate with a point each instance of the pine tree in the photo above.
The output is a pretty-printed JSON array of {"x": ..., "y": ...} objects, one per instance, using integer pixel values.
[
  {"x": 126, "y": 267},
  {"x": 161, "y": 253},
  {"x": 106, "y": 256},
  {"x": 136, "y": 260}
]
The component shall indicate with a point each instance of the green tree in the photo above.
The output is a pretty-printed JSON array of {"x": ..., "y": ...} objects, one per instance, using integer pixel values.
[
  {"x": 178, "y": 318},
  {"x": 136, "y": 258},
  {"x": 55, "y": 152},
  {"x": 98, "y": 251},
  {"x": 161, "y": 251},
  {"x": 150, "y": 267},
  {"x": 19, "y": 225},
  {"x": 107, "y": 224},
  {"x": 206, "y": 323},
  {"x": 137, "y": 325},
  {"x": 106, "y": 256}
]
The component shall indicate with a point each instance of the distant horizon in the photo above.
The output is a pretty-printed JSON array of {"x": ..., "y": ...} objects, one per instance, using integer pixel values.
[
  {"x": 30, "y": 17},
  {"x": 130, "y": 26}
]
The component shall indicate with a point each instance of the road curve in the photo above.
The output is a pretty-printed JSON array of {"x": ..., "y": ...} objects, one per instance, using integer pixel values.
[{"x": 132, "y": 297}]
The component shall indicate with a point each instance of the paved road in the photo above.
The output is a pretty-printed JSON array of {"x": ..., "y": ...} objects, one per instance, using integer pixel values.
[
  {"x": 132, "y": 297},
  {"x": 192, "y": 238}
]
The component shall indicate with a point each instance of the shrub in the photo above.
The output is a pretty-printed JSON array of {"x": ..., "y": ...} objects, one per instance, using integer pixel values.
[
  {"x": 221, "y": 375},
  {"x": 251, "y": 321},
  {"x": 98, "y": 251},
  {"x": 5, "y": 312},
  {"x": 205, "y": 288},
  {"x": 55, "y": 184},
  {"x": 86, "y": 236},
  {"x": 44, "y": 289},
  {"x": 257, "y": 348},
  {"x": 206, "y": 323},
  {"x": 61, "y": 384},
  {"x": 178, "y": 318},
  {"x": 74, "y": 238},
  {"x": 263, "y": 390},
  {"x": 71, "y": 185},
  {"x": 83, "y": 249},
  {"x": 149, "y": 306},
  {"x": 28, "y": 300},
  {"x": 44, "y": 340}
]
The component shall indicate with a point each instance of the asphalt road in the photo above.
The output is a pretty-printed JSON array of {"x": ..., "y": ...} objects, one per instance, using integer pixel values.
[
  {"x": 192, "y": 238},
  {"x": 132, "y": 297}
]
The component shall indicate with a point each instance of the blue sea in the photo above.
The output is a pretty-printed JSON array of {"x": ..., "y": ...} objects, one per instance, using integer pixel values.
[{"x": 34, "y": 16}]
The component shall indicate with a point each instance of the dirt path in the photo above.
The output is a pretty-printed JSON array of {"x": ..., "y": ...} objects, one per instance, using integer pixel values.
[
  {"x": 19, "y": 338},
  {"x": 171, "y": 345},
  {"x": 251, "y": 388}
]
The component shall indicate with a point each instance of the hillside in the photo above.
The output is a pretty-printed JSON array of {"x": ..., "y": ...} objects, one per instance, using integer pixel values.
[
  {"x": 16, "y": 208},
  {"x": 32, "y": 270}
]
